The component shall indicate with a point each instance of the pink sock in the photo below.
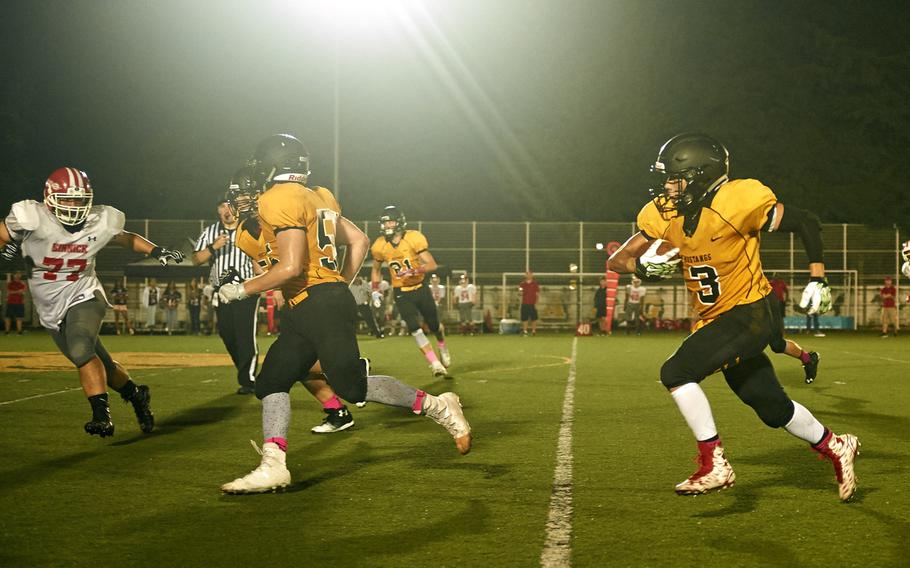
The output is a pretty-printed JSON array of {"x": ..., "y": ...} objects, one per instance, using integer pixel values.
[
  {"x": 281, "y": 442},
  {"x": 431, "y": 356},
  {"x": 804, "y": 357},
  {"x": 332, "y": 404},
  {"x": 442, "y": 345},
  {"x": 417, "y": 407}
]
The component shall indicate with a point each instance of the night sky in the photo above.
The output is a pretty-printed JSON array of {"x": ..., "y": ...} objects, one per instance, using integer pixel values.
[{"x": 459, "y": 109}]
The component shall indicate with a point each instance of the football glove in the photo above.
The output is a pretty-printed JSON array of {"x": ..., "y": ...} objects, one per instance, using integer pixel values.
[
  {"x": 229, "y": 275},
  {"x": 816, "y": 297},
  {"x": 232, "y": 292},
  {"x": 377, "y": 299},
  {"x": 164, "y": 256},
  {"x": 10, "y": 251},
  {"x": 652, "y": 266}
]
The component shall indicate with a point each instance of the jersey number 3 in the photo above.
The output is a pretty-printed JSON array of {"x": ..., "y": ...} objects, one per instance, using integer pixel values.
[
  {"x": 709, "y": 286},
  {"x": 326, "y": 221}
]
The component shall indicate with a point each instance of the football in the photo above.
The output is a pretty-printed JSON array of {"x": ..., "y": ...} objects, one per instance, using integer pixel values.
[{"x": 662, "y": 248}]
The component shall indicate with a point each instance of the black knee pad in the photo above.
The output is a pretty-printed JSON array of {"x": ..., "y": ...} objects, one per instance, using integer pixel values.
[
  {"x": 671, "y": 374},
  {"x": 349, "y": 380},
  {"x": 266, "y": 384},
  {"x": 755, "y": 383},
  {"x": 778, "y": 344}
]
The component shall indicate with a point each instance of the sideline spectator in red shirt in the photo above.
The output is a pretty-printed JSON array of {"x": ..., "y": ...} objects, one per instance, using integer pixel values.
[
  {"x": 530, "y": 291},
  {"x": 15, "y": 303},
  {"x": 889, "y": 307}
]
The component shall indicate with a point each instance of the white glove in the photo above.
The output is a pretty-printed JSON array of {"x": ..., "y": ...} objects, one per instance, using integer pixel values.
[
  {"x": 816, "y": 297},
  {"x": 377, "y": 299},
  {"x": 652, "y": 265},
  {"x": 905, "y": 269},
  {"x": 232, "y": 292}
]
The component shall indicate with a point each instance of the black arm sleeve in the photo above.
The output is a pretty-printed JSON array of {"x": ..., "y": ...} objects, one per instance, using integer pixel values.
[{"x": 809, "y": 228}]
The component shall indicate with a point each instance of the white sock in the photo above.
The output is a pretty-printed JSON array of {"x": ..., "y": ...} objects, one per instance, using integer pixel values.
[
  {"x": 805, "y": 426},
  {"x": 695, "y": 408}
]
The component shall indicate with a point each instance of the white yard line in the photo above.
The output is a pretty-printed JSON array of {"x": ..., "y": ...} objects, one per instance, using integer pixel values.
[
  {"x": 5, "y": 402},
  {"x": 876, "y": 357},
  {"x": 557, "y": 549}
]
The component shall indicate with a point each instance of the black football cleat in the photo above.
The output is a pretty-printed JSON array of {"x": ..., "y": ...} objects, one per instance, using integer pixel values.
[
  {"x": 335, "y": 420},
  {"x": 100, "y": 427},
  {"x": 811, "y": 367},
  {"x": 141, "y": 401}
]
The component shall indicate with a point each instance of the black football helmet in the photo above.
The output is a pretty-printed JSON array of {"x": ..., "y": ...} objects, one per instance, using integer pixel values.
[
  {"x": 392, "y": 213},
  {"x": 700, "y": 160},
  {"x": 242, "y": 192},
  {"x": 280, "y": 157}
]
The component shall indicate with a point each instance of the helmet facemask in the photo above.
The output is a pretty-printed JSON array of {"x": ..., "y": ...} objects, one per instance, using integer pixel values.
[
  {"x": 68, "y": 195},
  {"x": 700, "y": 162}
]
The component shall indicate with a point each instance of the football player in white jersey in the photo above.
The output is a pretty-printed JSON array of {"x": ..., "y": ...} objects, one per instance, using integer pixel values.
[
  {"x": 905, "y": 254},
  {"x": 59, "y": 239}
]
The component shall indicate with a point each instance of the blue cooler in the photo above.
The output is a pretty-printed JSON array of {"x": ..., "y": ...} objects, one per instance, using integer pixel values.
[{"x": 509, "y": 326}]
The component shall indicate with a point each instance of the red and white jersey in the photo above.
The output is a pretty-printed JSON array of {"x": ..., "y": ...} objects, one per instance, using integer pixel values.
[
  {"x": 63, "y": 274},
  {"x": 635, "y": 293},
  {"x": 438, "y": 291},
  {"x": 465, "y": 294}
]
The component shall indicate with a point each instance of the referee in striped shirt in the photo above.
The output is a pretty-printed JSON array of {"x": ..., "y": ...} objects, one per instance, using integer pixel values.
[{"x": 237, "y": 320}]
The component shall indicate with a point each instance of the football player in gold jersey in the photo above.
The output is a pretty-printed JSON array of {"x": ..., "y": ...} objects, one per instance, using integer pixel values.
[
  {"x": 714, "y": 226},
  {"x": 242, "y": 198},
  {"x": 408, "y": 256},
  {"x": 306, "y": 225}
]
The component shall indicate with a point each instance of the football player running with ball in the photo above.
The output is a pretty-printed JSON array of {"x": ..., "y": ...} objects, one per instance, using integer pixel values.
[
  {"x": 407, "y": 253},
  {"x": 242, "y": 198},
  {"x": 713, "y": 225},
  {"x": 320, "y": 323},
  {"x": 60, "y": 239}
]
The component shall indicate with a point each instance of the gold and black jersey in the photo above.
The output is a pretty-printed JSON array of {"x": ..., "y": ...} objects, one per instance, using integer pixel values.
[
  {"x": 402, "y": 256},
  {"x": 290, "y": 205},
  {"x": 720, "y": 260},
  {"x": 263, "y": 253}
]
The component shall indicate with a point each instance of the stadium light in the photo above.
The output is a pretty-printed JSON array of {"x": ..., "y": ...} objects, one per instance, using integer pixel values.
[
  {"x": 599, "y": 246},
  {"x": 349, "y": 21}
]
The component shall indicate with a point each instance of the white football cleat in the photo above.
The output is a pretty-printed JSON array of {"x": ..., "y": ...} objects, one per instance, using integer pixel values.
[
  {"x": 842, "y": 451},
  {"x": 446, "y": 411},
  {"x": 438, "y": 369},
  {"x": 445, "y": 358},
  {"x": 714, "y": 471},
  {"x": 271, "y": 474}
]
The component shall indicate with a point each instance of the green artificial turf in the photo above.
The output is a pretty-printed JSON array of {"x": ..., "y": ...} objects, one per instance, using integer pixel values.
[{"x": 393, "y": 491}]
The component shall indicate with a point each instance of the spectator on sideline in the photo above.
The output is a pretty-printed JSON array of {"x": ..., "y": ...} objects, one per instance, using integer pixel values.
[
  {"x": 635, "y": 292},
  {"x": 171, "y": 298},
  {"x": 15, "y": 303},
  {"x": 151, "y": 294},
  {"x": 208, "y": 307},
  {"x": 530, "y": 293},
  {"x": 466, "y": 295},
  {"x": 600, "y": 305},
  {"x": 119, "y": 299},
  {"x": 889, "y": 306},
  {"x": 236, "y": 321},
  {"x": 194, "y": 305},
  {"x": 380, "y": 308},
  {"x": 437, "y": 290},
  {"x": 812, "y": 325},
  {"x": 363, "y": 292}
]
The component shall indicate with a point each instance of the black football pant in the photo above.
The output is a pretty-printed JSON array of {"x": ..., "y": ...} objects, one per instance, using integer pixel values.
[
  {"x": 734, "y": 343},
  {"x": 237, "y": 328},
  {"x": 415, "y": 303},
  {"x": 320, "y": 328}
]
